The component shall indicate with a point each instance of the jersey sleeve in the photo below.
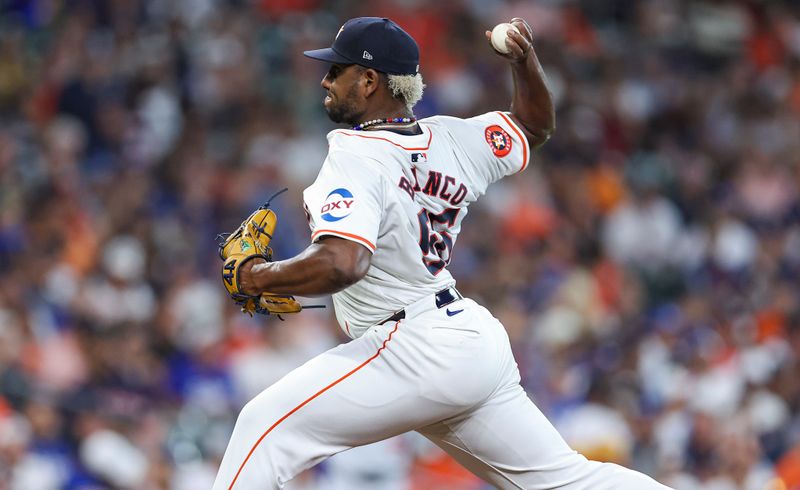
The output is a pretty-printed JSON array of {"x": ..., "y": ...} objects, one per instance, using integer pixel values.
[
  {"x": 346, "y": 200},
  {"x": 497, "y": 146}
]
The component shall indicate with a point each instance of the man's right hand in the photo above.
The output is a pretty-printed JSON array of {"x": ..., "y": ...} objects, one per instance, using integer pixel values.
[{"x": 519, "y": 43}]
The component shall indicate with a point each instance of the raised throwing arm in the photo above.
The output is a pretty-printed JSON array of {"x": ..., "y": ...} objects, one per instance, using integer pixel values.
[{"x": 532, "y": 104}]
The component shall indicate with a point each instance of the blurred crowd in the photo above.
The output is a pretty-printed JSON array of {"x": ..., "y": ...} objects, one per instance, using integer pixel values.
[{"x": 647, "y": 265}]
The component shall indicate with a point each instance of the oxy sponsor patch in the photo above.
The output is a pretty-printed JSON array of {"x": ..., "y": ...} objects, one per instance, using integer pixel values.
[
  {"x": 338, "y": 205},
  {"x": 498, "y": 140}
]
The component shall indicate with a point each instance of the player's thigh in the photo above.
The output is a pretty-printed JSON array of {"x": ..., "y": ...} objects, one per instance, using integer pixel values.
[
  {"x": 361, "y": 392},
  {"x": 508, "y": 442},
  {"x": 354, "y": 394}
]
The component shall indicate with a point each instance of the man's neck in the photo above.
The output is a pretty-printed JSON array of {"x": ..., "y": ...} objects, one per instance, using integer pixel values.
[{"x": 389, "y": 111}]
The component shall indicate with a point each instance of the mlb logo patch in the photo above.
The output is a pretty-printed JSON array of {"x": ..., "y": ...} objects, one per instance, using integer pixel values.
[{"x": 499, "y": 141}]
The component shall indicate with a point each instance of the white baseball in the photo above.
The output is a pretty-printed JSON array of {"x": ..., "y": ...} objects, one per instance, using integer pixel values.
[{"x": 499, "y": 35}]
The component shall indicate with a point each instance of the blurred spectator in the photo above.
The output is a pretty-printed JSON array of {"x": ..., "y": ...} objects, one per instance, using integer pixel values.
[{"x": 647, "y": 265}]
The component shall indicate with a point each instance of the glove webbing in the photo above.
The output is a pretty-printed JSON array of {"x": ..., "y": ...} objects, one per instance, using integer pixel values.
[{"x": 221, "y": 238}]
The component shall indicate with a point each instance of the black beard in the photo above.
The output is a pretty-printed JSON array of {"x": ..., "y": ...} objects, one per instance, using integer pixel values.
[
  {"x": 339, "y": 114},
  {"x": 346, "y": 111}
]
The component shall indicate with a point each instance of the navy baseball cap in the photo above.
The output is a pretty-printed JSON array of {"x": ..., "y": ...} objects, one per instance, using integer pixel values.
[{"x": 373, "y": 42}]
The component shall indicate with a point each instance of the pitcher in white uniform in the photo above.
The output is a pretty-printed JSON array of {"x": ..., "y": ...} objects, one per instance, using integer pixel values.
[{"x": 385, "y": 213}]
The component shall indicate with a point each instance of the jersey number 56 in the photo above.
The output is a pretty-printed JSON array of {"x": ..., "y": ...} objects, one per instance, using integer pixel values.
[{"x": 435, "y": 241}]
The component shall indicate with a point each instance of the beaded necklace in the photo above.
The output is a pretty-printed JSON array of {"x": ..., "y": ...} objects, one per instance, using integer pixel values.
[{"x": 389, "y": 120}]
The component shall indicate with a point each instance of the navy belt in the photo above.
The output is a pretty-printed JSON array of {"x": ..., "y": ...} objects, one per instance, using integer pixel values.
[{"x": 443, "y": 298}]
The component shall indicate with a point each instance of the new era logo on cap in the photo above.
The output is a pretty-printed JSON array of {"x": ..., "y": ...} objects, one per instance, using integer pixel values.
[{"x": 366, "y": 55}]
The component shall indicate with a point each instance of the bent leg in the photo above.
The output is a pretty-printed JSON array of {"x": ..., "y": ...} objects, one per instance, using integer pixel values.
[
  {"x": 309, "y": 415},
  {"x": 366, "y": 390},
  {"x": 509, "y": 443}
]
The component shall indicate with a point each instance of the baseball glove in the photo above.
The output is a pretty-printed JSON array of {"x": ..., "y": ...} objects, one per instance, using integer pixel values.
[{"x": 250, "y": 241}]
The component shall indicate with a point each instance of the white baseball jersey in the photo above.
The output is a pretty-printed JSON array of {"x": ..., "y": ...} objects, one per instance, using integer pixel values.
[{"x": 404, "y": 198}]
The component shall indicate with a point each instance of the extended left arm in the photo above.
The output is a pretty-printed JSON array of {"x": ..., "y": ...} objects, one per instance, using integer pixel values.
[
  {"x": 532, "y": 104},
  {"x": 326, "y": 266}
]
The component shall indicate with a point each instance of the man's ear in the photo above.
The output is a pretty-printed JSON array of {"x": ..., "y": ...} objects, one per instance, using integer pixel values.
[{"x": 372, "y": 80}]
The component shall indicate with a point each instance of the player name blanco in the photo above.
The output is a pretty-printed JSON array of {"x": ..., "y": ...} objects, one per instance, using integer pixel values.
[{"x": 437, "y": 185}]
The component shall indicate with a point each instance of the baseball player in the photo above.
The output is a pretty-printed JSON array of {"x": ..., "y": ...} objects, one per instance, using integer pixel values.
[{"x": 385, "y": 213}]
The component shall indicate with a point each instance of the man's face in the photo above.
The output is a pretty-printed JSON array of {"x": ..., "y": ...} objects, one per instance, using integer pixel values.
[{"x": 343, "y": 102}]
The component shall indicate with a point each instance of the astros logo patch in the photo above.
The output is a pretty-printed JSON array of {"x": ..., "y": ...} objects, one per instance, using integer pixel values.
[
  {"x": 498, "y": 140},
  {"x": 338, "y": 205}
]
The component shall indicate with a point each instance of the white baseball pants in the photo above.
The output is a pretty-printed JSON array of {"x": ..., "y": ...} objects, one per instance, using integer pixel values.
[{"x": 451, "y": 378}]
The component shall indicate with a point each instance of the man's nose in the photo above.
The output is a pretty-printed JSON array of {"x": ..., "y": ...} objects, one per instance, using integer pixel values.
[{"x": 326, "y": 83}]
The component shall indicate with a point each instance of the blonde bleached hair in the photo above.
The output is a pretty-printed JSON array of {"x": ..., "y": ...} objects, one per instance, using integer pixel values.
[{"x": 408, "y": 88}]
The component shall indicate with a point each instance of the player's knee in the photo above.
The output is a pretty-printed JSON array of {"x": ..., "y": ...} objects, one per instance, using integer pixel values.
[
  {"x": 270, "y": 437},
  {"x": 257, "y": 458},
  {"x": 255, "y": 416}
]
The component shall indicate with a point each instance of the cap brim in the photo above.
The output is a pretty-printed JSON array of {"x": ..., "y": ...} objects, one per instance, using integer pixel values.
[{"x": 326, "y": 54}]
